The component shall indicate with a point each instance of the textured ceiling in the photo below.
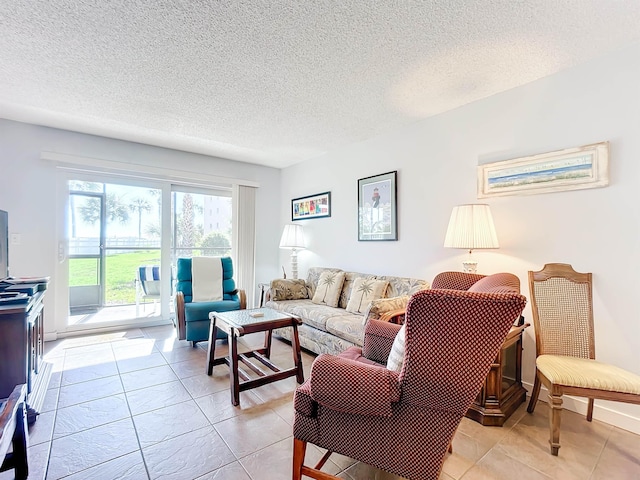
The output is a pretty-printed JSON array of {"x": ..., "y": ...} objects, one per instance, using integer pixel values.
[{"x": 278, "y": 82}]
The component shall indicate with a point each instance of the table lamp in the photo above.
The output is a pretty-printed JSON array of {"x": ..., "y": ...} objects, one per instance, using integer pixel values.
[
  {"x": 293, "y": 238},
  {"x": 471, "y": 227}
]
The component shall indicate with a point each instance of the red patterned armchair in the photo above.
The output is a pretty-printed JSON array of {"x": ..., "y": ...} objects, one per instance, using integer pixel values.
[{"x": 403, "y": 421}]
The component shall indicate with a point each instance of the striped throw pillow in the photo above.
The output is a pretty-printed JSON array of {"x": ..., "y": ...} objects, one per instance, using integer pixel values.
[{"x": 396, "y": 356}]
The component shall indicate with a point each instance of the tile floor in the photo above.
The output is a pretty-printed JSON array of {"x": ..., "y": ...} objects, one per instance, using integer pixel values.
[{"x": 138, "y": 405}]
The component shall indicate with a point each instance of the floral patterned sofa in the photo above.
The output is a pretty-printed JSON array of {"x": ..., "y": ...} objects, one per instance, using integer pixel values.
[{"x": 328, "y": 329}]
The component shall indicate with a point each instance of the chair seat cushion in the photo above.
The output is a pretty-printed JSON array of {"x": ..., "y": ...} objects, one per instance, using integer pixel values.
[
  {"x": 586, "y": 373},
  {"x": 194, "y": 312}
]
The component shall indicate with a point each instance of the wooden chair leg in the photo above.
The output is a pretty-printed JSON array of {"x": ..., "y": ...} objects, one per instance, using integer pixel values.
[
  {"x": 535, "y": 393},
  {"x": 299, "y": 468},
  {"x": 555, "y": 404},
  {"x": 20, "y": 454},
  {"x": 299, "y": 449},
  {"x": 590, "y": 410}
]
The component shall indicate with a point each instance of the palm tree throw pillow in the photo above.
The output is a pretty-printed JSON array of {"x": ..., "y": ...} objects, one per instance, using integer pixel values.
[
  {"x": 364, "y": 291},
  {"x": 329, "y": 288}
]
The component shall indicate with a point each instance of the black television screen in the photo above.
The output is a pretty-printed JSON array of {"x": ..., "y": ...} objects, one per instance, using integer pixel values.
[{"x": 4, "y": 244}]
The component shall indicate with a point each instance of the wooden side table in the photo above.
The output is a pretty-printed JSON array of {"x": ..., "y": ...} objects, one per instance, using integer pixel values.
[
  {"x": 240, "y": 322},
  {"x": 502, "y": 391},
  {"x": 13, "y": 431}
]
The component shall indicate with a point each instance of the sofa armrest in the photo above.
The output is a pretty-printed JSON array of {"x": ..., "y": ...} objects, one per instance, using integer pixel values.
[
  {"x": 378, "y": 340},
  {"x": 352, "y": 387}
]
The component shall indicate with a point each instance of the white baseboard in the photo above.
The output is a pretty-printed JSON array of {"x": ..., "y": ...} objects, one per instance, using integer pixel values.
[
  {"x": 91, "y": 329},
  {"x": 50, "y": 336},
  {"x": 601, "y": 411}
]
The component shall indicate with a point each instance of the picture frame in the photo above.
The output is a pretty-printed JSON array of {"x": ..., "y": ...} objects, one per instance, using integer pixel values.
[
  {"x": 311, "y": 206},
  {"x": 377, "y": 208},
  {"x": 569, "y": 169}
]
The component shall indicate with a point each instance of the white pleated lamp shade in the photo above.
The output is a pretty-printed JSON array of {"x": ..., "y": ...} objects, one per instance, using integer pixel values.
[
  {"x": 292, "y": 237},
  {"x": 471, "y": 227}
]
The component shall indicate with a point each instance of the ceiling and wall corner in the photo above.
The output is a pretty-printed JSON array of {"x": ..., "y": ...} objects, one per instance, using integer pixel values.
[{"x": 277, "y": 83}]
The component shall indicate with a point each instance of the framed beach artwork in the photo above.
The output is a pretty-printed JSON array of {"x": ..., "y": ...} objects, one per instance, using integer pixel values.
[
  {"x": 312, "y": 206},
  {"x": 569, "y": 169},
  {"x": 377, "y": 208}
]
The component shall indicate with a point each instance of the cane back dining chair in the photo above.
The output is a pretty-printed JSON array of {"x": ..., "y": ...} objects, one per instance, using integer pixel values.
[
  {"x": 403, "y": 421},
  {"x": 562, "y": 307}
]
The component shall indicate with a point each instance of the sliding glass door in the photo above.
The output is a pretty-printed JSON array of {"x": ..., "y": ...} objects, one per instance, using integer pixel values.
[
  {"x": 86, "y": 252},
  {"x": 115, "y": 240},
  {"x": 124, "y": 240}
]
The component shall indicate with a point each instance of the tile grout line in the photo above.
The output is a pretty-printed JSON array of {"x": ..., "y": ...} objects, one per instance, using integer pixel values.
[
  {"x": 604, "y": 445},
  {"x": 126, "y": 399}
]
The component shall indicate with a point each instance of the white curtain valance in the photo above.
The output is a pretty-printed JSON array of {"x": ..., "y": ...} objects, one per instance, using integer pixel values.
[{"x": 82, "y": 164}]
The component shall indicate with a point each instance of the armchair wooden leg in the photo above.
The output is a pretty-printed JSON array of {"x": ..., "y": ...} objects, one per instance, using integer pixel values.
[
  {"x": 535, "y": 393},
  {"x": 299, "y": 449},
  {"x": 299, "y": 469},
  {"x": 555, "y": 404}
]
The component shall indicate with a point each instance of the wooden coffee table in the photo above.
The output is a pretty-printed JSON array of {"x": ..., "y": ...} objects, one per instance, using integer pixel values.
[{"x": 241, "y": 322}]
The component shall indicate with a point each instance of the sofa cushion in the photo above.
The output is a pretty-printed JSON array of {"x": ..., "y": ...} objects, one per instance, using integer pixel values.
[
  {"x": 396, "y": 356},
  {"x": 364, "y": 291},
  {"x": 347, "y": 326},
  {"x": 314, "y": 275},
  {"x": 288, "y": 289},
  {"x": 329, "y": 288},
  {"x": 315, "y": 315},
  {"x": 399, "y": 286},
  {"x": 347, "y": 286}
]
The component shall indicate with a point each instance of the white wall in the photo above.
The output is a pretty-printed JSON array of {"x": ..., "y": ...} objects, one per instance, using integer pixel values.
[
  {"x": 595, "y": 230},
  {"x": 28, "y": 192}
]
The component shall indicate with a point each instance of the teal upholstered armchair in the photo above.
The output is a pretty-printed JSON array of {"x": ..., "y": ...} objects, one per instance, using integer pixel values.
[{"x": 193, "y": 317}]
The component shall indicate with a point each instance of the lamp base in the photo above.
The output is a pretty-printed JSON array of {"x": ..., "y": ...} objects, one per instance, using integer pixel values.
[
  {"x": 470, "y": 266},
  {"x": 294, "y": 264}
]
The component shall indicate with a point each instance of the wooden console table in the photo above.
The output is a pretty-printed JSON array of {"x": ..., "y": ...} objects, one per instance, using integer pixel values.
[
  {"x": 22, "y": 347},
  {"x": 502, "y": 391}
]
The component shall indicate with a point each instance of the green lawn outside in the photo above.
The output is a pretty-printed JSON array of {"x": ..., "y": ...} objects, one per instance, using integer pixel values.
[{"x": 120, "y": 274}]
